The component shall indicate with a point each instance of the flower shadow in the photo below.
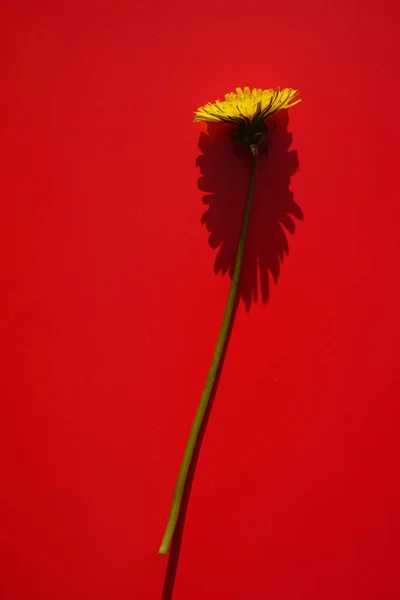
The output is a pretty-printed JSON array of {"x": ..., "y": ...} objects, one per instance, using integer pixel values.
[{"x": 224, "y": 179}]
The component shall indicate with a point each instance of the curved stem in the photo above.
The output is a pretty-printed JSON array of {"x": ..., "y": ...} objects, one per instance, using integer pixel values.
[{"x": 219, "y": 348}]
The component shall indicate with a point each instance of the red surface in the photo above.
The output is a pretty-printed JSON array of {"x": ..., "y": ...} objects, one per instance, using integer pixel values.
[{"x": 110, "y": 306}]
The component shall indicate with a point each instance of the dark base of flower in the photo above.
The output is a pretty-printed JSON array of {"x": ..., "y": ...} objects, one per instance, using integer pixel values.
[{"x": 250, "y": 133}]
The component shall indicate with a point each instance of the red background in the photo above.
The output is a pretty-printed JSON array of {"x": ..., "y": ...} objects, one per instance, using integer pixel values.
[{"x": 111, "y": 305}]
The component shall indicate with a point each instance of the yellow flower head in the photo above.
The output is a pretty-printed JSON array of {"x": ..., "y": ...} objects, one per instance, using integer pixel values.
[
  {"x": 247, "y": 105},
  {"x": 247, "y": 111}
]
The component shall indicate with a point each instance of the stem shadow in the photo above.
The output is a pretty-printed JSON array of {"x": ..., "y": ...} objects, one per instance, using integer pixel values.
[{"x": 176, "y": 543}]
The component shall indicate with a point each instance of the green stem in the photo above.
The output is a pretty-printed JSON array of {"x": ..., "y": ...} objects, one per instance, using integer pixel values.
[{"x": 219, "y": 348}]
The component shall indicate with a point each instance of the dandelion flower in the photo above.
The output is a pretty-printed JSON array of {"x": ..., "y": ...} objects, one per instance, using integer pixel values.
[{"x": 247, "y": 110}]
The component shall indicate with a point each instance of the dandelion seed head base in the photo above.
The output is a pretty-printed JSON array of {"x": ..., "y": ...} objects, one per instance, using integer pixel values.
[{"x": 250, "y": 133}]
